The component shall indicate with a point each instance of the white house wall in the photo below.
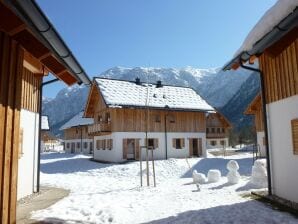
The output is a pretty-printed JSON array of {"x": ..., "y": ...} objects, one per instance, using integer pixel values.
[
  {"x": 260, "y": 139},
  {"x": 78, "y": 149},
  {"x": 28, "y": 160},
  {"x": 116, "y": 154},
  {"x": 284, "y": 162}
]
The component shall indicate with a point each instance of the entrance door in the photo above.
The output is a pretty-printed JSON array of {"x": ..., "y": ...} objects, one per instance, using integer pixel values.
[
  {"x": 130, "y": 149},
  {"x": 73, "y": 147},
  {"x": 195, "y": 147}
]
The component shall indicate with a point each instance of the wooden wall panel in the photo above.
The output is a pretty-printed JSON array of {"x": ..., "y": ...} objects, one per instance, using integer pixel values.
[
  {"x": 31, "y": 91},
  {"x": 134, "y": 120},
  {"x": 281, "y": 73},
  {"x": 11, "y": 60},
  {"x": 75, "y": 133}
]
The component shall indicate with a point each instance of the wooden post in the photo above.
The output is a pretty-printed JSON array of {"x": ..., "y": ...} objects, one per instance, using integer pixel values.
[{"x": 11, "y": 61}]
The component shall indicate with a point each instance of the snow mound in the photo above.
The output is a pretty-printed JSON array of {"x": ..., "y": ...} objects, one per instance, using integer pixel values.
[
  {"x": 213, "y": 176},
  {"x": 199, "y": 177}
]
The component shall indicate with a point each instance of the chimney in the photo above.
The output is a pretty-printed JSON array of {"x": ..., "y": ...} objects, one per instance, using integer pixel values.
[
  {"x": 158, "y": 84},
  {"x": 138, "y": 81}
]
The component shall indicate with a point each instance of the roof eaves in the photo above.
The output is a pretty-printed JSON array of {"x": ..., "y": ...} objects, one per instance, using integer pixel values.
[{"x": 267, "y": 40}]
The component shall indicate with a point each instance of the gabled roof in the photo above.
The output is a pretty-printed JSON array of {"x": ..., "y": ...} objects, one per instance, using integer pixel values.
[
  {"x": 76, "y": 121},
  {"x": 278, "y": 21},
  {"x": 120, "y": 93},
  {"x": 254, "y": 105},
  {"x": 25, "y": 22}
]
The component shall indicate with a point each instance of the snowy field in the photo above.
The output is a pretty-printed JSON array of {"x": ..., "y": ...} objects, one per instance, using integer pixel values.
[{"x": 111, "y": 193}]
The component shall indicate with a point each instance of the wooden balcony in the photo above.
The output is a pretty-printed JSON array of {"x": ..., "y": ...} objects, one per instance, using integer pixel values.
[
  {"x": 216, "y": 135},
  {"x": 97, "y": 129}
]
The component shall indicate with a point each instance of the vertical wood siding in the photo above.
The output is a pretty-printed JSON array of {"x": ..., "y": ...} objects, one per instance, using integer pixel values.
[
  {"x": 31, "y": 91},
  {"x": 11, "y": 60},
  {"x": 281, "y": 73}
]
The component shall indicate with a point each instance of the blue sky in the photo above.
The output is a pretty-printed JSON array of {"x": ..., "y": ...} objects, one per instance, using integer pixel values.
[{"x": 156, "y": 33}]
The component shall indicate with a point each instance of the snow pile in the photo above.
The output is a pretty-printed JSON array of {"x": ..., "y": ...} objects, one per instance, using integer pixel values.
[
  {"x": 259, "y": 174},
  {"x": 233, "y": 175},
  {"x": 213, "y": 176},
  {"x": 199, "y": 178},
  {"x": 270, "y": 19}
]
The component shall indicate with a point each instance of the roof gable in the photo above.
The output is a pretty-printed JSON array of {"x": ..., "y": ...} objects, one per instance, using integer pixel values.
[
  {"x": 77, "y": 120},
  {"x": 120, "y": 93}
]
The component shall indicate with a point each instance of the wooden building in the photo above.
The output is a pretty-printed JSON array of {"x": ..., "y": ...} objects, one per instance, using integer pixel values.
[
  {"x": 276, "y": 47},
  {"x": 76, "y": 136},
  {"x": 123, "y": 111},
  {"x": 255, "y": 108},
  {"x": 26, "y": 56},
  {"x": 217, "y": 131}
]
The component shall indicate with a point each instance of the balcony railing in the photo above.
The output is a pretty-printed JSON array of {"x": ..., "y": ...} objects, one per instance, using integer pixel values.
[
  {"x": 216, "y": 135},
  {"x": 97, "y": 128}
]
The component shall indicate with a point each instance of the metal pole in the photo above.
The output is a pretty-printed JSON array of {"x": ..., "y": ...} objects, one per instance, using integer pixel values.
[
  {"x": 141, "y": 171},
  {"x": 263, "y": 92},
  {"x": 153, "y": 167}
]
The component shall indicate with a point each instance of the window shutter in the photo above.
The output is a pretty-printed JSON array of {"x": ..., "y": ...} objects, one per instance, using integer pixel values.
[
  {"x": 124, "y": 148},
  {"x": 111, "y": 143},
  {"x": 103, "y": 144},
  {"x": 182, "y": 142},
  {"x": 137, "y": 148},
  {"x": 174, "y": 143},
  {"x": 295, "y": 135},
  {"x": 155, "y": 143}
]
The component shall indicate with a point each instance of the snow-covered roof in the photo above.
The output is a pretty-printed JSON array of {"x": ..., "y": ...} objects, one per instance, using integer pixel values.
[
  {"x": 77, "y": 120},
  {"x": 45, "y": 123},
  {"x": 119, "y": 93},
  {"x": 269, "y": 20}
]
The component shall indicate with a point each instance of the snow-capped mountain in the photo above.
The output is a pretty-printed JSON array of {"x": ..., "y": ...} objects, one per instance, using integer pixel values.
[{"x": 214, "y": 85}]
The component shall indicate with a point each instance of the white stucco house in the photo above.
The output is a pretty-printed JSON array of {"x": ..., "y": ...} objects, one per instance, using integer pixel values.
[
  {"x": 273, "y": 41},
  {"x": 174, "y": 119},
  {"x": 76, "y": 137}
]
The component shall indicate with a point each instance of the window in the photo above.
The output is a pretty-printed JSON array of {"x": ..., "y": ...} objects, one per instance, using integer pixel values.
[
  {"x": 218, "y": 130},
  {"x": 67, "y": 145},
  {"x": 103, "y": 144},
  {"x": 178, "y": 143},
  {"x": 213, "y": 143},
  {"x": 153, "y": 142},
  {"x": 222, "y": 142},
  {"x": 171, "y": 118},
  {"x": 213, "y": 130},
  {"x": 99, "y": 118},
  {"x": 294, "y": 124},
  {"x": 223, "y": 130},
  {"x": 98, "y": 142},
  {"x": 109, "y": 144},
  {"x": 78, "y": 145},
  {"x": 107, "y": 117},
  {"x": 157, "y": 118},
  {"x": 77, "y": 130},
  {"x": 91, "y": 146},
  {"x": 207, "y": 130},
  {"x": 85, "y": 145}
]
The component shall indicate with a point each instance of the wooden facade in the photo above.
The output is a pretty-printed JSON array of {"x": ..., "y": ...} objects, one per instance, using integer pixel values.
[
  {"x": 11, "y": 60},
  {"x": 77, "y": 133},
  {"x": 217, "y": 126},
  {"x": 280, "y": 68},
  {"x": 30, "y": 90},
  {"x": 108, "y": 120},
  {"x": 255, "y": 108},
  {"x": 24, "y": 60}
]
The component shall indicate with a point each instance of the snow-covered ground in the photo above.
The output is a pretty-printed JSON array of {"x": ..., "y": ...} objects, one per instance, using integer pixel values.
[{"x": 111, "y": 193}]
